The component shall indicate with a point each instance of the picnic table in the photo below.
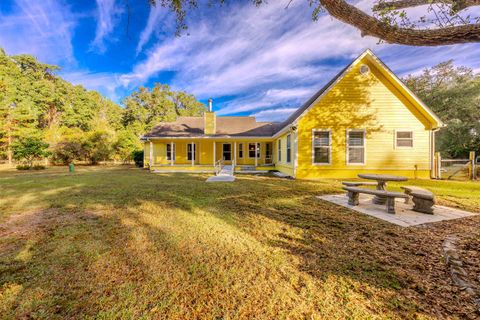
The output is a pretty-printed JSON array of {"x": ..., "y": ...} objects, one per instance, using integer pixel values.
[{"x": 381, "y": 183}]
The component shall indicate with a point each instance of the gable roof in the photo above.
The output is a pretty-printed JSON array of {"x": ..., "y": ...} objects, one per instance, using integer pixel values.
[
  {"x": 426, "y": 111},
  {"x": 225, "y": 127}
]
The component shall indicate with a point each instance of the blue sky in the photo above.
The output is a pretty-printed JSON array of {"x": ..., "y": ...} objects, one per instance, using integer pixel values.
[{"x": 252, "y": 61}]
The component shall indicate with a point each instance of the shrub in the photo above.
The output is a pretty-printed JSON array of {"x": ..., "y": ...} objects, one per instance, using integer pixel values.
[
  {"x": 66, "y": 152},
  {"x": 98, "y": 146},
  {"x": 125, "y": 145},
  {"x": 137, "y": 156},
  {"x": 23, "y": 167},
  {"x": 28, "y": 149},
  {"x": 38, "y": 167}
]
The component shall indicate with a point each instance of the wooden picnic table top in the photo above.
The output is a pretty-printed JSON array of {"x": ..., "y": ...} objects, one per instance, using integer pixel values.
[{"x": 382, "y": 177}]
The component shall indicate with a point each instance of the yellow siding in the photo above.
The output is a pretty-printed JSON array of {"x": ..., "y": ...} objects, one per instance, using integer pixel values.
[
  {"x": 282, "y": 165},
  {"x": 372, "y": 103}
]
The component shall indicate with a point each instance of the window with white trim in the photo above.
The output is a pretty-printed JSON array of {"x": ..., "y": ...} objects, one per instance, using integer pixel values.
[
  {"x": 404, "y": 139},
  {"x": 240, "y": 150},
  {"x": 289, "y": 149},
  {"x": 189, "y": 151},
  {"x": 251, "y": 150},
  {"x": 279, "y": 150},
  {"x": 170, "y": 146},
  {"x": 356, "y": 147},
  {"x": 322, "y": 146}
]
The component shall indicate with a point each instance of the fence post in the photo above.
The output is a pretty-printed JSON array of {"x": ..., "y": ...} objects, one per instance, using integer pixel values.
[
  {"x": 472, "y": 170},
  {"x": 438, "y": 166}
]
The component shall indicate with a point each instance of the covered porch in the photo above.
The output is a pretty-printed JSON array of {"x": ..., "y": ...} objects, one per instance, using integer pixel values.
[{"x": 204, "y": 154}]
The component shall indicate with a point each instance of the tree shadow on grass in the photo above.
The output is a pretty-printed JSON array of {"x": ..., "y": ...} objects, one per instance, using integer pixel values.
[
  {"x": 125, "y": 245},
  {"x": 406, "y": 263}
]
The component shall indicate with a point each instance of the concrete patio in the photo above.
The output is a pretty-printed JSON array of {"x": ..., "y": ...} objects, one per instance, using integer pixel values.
[{"x": 404, "y": 216}]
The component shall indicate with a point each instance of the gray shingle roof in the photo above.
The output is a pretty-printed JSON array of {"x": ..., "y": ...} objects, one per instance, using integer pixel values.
[{"x": 225, "y": 126}]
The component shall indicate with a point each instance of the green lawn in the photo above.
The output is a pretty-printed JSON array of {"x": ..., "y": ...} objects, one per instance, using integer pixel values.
[{"x": 123, "y": 243}]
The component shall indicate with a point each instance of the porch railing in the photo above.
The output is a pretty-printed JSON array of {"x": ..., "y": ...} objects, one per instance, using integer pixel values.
[
  {"x": 234, "y": 163},
  {"x": 218, "y": 166}
]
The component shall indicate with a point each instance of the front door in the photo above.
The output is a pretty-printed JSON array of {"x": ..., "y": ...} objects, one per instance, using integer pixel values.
[{"x": 227, "y": 152}]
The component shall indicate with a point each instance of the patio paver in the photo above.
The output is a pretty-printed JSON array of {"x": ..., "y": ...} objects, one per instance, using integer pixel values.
[{"x": 404, "y": 217}]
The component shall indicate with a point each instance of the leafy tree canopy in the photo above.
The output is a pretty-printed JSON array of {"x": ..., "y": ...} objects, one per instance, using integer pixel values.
[
  {"x": 76, "y": 123},
  {"x": 453, "y": 93},
  {"x": 28, "y": 149},
  {"x": 146, "y": 107}
]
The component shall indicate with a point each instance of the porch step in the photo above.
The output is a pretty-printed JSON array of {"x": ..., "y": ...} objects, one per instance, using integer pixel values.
[
  {"x": 226, "y": 171},
  {"x": 221, "y": 179},
  {"x": 225, "y": 175}
]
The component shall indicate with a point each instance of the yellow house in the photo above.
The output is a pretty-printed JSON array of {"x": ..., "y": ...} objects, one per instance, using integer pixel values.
[{"x": 365, "y": 120}]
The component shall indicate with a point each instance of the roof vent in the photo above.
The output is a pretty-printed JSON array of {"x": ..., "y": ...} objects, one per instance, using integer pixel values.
[{"x": 364, "y": 69}]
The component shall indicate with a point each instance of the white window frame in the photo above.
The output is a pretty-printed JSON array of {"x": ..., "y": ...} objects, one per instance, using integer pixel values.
[
  {"x": 258, "y": 153},
  {"x": 329, "y": 147},
  {"x": 395, "y": 139},
  {"x": 174, "y": 151},
  {"x": 288, "y": 149},
  {"x": 364, "y": 147},
  {"x": 240, "y": 149},
  {"x": 279, "y": 151},
  {"x": 194, "y": 151}
]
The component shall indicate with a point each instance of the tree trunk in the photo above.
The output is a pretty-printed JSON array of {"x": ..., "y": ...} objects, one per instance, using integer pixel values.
[
  {"x": 9, "y": 149},
  {"x": 370, "y": 26}
]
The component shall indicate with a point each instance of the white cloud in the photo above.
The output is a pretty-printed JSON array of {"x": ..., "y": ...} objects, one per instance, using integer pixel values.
[
  {"x": 411, "y": 60},
  {"x": 159, "y": 20},
  {"x": 269, "y": 98},
  {"x": 278, "y": 115},
  {"x": 108, "y": 14},
  {"x": 265, "y": 60},
  {"x": 106, "y": 83},
  {"x": 248, "y": 50},
  {"x": 41, "y": 28}
]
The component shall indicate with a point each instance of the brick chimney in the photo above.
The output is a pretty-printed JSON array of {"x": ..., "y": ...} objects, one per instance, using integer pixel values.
[{"x": 210, "y": 119}]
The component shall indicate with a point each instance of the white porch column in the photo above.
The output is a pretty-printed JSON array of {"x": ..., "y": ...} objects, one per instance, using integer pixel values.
[
  {"x": 151, "y": 155},
  {"x": 172, "y": 152},
  {"x": 256, "y": 154},
  {"x": 234, "y": 154},
  {"x": 214, "y": 152},
  {"x": 193, "y": 153}
]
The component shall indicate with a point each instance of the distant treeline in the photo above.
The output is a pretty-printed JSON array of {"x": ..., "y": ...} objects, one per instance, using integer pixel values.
[{"x": 39, "y": 109}]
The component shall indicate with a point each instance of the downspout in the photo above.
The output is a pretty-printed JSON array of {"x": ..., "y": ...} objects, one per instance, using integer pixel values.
[
  {"x": 294, "y": 130},
  {"x": 432, "y": 152},
  {"x": 150, "y": 159}
]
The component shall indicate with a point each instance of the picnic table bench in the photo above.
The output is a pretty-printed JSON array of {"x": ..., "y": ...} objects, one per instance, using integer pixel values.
[
  {"x": 382, "y": 180},
  {"x": 423, "y": 199},
  {"x": 358, "y": 183},
  {"x": 354, "y": 192}
]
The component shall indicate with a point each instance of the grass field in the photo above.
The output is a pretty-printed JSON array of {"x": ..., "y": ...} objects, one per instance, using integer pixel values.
[{"x": 123, "y": 243}]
